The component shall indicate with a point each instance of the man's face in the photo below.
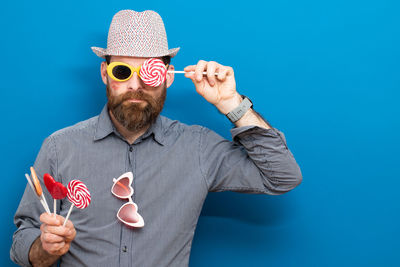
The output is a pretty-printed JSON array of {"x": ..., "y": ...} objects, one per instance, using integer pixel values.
[{"x": 134, "y": 104}]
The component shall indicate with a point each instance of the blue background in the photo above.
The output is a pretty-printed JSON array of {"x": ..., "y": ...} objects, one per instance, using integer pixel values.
[{"x": 326, "y": 73}]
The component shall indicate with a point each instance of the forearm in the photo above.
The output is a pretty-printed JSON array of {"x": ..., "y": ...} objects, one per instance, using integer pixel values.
[
  {"x": 39, "y": 257},
  {"x": 269, "y": 152},
  {"x": 251, "y": 118}
]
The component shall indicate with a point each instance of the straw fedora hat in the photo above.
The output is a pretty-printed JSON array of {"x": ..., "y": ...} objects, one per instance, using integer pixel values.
[{"x": 136, "y": 34}]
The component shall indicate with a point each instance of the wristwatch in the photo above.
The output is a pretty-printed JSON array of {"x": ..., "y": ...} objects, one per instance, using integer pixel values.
[{"x": 240, "y": 110}]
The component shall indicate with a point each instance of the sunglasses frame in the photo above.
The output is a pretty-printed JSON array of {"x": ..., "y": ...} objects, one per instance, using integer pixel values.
[
  {"x": 112, "y": 65},
  {"x": 129, "y": 175}
]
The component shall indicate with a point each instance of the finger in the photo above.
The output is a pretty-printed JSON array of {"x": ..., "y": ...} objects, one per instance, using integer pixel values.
[
  {"x": 71, "y": 231},
  {"x": 230, "y": 71},
  {"x": 190, "y": 75},
  {"x": 69, "y": 225},
  {"x": 222, "y": 74},
  {"x": 71, "y": 236},
  {"x": 64, "y": 249},
  {"x": 56, "y": 230},
  {"x": 190, "y": 72},
  {"x": 200, "y": 67},
  {"x": 190, "y": 68},
  {"x": 51, "y": 238},
  {"x": 211, "y": 66},
  {"x": 50, "y": 219},
  {"x": 53, "y": 248}
]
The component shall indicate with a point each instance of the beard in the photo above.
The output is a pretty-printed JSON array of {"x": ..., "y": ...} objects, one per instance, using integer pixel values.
[{"x": 135, "y": 116}]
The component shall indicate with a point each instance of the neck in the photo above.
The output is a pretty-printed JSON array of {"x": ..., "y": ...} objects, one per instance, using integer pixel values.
[{"x": 130, "y": 136}]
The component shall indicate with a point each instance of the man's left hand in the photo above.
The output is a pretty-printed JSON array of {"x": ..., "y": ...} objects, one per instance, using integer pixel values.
[{"x": 219, "y": 90}]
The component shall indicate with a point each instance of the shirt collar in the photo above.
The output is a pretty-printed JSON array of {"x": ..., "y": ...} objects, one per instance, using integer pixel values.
[
  {"x": 105, "y": 127},
  {"x": 156, "y": 129}
]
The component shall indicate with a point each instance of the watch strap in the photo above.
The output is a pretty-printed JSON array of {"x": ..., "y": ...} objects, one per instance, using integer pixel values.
[{"x": 240, "y": 110}]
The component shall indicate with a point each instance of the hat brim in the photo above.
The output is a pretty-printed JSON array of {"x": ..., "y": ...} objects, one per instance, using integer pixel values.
[{"x": 101, "y": 52}]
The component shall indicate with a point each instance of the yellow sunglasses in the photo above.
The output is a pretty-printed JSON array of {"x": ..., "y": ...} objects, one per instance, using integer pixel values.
[{"x": 121, "y": 72}]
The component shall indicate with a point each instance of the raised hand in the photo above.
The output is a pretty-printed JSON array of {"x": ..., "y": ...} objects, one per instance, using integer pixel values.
[{"x": 220, "y": 89}]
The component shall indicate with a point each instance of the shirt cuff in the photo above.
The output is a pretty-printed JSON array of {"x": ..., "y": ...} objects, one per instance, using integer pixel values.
[
  {"x": 22, "y": 246},
  {"x": 251, "y": 133}
]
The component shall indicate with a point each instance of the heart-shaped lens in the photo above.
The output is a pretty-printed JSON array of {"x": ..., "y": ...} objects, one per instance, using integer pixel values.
[
  {"x": 121, "y": 72},
  {"x": 122, "y": 187},
  {"x": 128, "y": 213}
]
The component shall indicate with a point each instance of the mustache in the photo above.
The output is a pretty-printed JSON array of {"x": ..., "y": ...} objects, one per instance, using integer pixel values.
[{"x": 139, "y": 95}]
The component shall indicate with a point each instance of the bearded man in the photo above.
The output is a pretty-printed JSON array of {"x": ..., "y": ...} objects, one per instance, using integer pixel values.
[{"x": 167, "y": 167}]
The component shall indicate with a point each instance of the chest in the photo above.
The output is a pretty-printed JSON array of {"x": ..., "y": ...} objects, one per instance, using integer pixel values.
[{"x": 168, "y": 185}]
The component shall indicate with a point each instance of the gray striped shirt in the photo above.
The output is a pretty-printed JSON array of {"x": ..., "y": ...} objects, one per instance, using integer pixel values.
[{"x": 174, "y": 167}]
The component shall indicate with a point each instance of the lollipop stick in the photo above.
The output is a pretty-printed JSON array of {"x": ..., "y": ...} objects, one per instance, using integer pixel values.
[
  {"x": 30, "y": 182},
  {"x": 69, "y": 213},
  {"x": 45, "y": 202},
  {"x": 41, "y": 200},
  {"x": 181, "y": 71},
  {"x": 44, "y": 206},
  {"x": 55, "y": 206}
]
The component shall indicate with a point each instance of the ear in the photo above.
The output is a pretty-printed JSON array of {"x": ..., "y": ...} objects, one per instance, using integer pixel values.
[
  {"x": 103, "y": 72},
  {"x": 170, "y": 76}
]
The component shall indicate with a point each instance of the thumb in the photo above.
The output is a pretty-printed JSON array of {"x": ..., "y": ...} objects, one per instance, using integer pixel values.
[{"x": 191, "y": 76}]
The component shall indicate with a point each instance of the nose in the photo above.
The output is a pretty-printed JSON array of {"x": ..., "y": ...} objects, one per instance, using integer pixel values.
[{"x": 135, "y": 83}]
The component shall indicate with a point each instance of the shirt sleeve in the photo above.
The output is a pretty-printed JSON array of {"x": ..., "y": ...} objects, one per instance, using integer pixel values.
[
  {"x": 27, "y": 215},
  {"x": 257, "y": 161}
]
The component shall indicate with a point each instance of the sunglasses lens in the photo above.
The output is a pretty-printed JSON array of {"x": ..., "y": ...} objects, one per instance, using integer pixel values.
[
  {"x": 122, "y": 187},
  {"x": 121, "y": 72},
  {"x": 128, "y": 213}
]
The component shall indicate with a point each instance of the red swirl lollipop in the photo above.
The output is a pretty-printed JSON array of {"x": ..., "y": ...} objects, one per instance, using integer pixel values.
[
  {"x": 78, "y": 194},
  {"x": 153, "y": 72}
]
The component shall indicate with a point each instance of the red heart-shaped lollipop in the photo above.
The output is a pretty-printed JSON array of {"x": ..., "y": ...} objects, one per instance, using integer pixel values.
[{"x": 56, "y": 189}]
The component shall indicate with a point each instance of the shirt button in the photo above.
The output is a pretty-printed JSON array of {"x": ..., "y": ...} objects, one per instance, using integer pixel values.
[
  {"x": 130, "y": 149},
  {"x": 124, "y": 249}
]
